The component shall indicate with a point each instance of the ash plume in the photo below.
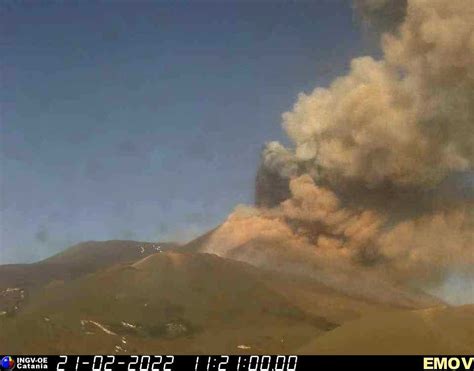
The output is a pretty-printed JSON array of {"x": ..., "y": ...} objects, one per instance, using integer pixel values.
[
  {"x": 356, "y": 194},
  {"x": 352, "y": 248},
  {"x": 406, "y": 119}
]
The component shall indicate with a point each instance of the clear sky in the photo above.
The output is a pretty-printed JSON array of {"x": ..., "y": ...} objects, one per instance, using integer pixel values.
[{"x": 144, "y": 120}]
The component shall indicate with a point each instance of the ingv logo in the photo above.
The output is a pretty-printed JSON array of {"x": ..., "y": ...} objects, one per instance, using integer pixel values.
[{"x": 8, "y": 363}]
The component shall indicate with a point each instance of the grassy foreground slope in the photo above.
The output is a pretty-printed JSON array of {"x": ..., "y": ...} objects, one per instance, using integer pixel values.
[{"x": 442, "y": 330}]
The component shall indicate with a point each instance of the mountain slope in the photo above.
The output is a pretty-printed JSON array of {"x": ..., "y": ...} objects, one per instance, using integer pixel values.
[
  {"x": 262, "y": 249},
  {"x": 178, "y": 303},
  {"x": 444, "y": 330},
  {"x": 17, "y": 281}
]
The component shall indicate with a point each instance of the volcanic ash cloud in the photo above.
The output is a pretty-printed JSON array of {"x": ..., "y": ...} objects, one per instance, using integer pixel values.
[
  {"x": 406, "y": 119},
  {"x": 403, "y": 123},
  {"x": 313, "y": 233}
]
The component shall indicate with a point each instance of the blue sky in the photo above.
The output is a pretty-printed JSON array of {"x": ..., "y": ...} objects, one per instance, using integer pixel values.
[{"x": 144, "y": 120}]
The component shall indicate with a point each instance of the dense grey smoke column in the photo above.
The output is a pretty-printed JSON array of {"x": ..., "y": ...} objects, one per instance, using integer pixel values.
[
  {"x": 270, "y": 188},
  {"x": 277, "y": 167}
]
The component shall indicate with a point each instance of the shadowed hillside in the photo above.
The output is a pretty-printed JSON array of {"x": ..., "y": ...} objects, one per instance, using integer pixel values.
[
  {"x": 132, "y": 297},
  {"x": 178, "y": 303}
]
